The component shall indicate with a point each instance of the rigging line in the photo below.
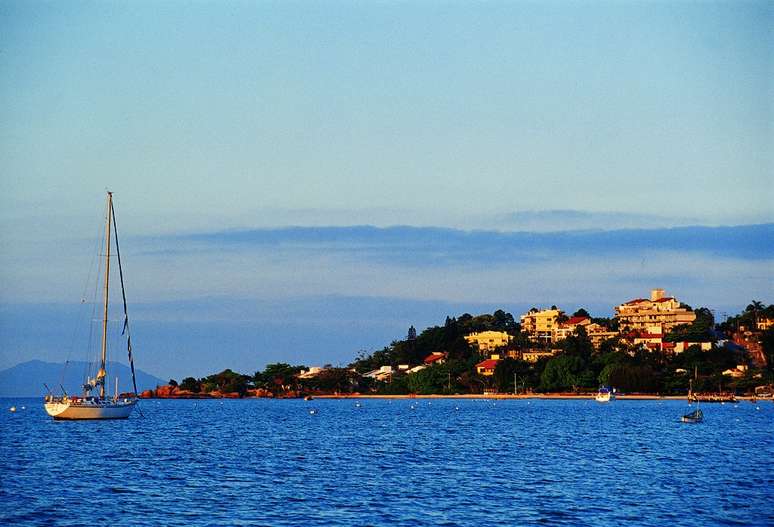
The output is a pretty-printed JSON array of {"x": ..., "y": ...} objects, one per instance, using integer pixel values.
[
  {"x": 92, "y": 351},
  {"x": 123, "y": 295},
  {"x": 81, "y": 313}
]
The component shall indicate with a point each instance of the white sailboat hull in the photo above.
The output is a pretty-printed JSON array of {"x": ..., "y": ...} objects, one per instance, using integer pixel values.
[{"x": 71, "y": 410}]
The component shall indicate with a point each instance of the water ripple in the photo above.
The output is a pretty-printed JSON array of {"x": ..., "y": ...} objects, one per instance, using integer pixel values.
[{"x": 441, "y": 462}]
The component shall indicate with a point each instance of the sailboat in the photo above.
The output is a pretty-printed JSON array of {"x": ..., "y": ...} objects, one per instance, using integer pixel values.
[
  {"x": 697, "y": 416},
  {"x": 100, "y": 406}
]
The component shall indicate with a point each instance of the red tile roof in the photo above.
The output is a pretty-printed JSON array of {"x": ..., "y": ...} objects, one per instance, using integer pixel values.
[
  {"x": 488, "y": 364},
  {"x": 434, "y": 357},
  {"x": 573, "y": 321},
  {"x": 636, "y": 301},
  {"x": 665, "y": 299}
]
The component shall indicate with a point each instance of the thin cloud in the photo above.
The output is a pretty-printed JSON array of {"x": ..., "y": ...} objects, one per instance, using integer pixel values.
[{"x": 441, "y": 246}]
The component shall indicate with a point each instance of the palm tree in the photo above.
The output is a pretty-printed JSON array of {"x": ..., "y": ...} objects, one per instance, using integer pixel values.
[{"x": 755, "y": 306}]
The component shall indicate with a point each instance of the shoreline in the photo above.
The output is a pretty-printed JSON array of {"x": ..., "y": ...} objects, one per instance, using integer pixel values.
[
  {"x": 632, "y": 397},
  {"x": 546, "y": 396},
  {"x": 500, "y": 396}
]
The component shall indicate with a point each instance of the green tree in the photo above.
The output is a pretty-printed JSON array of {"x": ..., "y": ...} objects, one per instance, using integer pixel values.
[
  {"x": 632, "y": 378},
  {"x": 562, "y": 373},
  {"x": 190, "y": 384},
  {"x": 278, "y": 377},
  {"x": 509, "y": 371},
  {"x": 755, "y": 306},
  {"x": 228, "y": 381},
  {"x": 700, "y": 330},
  {"x": 333, "y": 380},
  {"x": 767, "y": 343},
  {"x": 578, "y": 345},
  {"x": 504, "y": 322},
  {"x": 432, "y": 380},
  {"x": 398, "y": 385}
]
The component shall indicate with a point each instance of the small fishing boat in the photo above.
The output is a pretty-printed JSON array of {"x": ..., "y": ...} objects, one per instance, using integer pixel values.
[
  {"x": 102, "y": 406},
  {"x": 605, "y": 394}
]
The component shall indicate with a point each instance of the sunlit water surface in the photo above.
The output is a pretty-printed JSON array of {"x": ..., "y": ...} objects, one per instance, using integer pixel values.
[{"x": 399, "y": 462}]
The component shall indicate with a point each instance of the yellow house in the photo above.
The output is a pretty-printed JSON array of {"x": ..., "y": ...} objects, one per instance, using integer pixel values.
[
  {"x": 540, "y": 324},
  {"x": 487, "y": 341},
  {"x": 487, "y": 367}
]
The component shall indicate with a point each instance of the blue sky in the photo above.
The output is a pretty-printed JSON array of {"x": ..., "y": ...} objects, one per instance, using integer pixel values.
[{"x": 213, "y": 119}]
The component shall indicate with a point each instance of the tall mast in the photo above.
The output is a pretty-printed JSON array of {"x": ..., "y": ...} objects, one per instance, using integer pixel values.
[{"x": 102, "y": 373}]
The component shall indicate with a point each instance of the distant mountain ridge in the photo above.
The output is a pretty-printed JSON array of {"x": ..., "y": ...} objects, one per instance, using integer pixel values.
[{"x": 27, "y": 379}]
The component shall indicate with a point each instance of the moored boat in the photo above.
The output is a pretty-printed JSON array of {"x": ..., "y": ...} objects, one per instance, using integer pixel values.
[
  {"x": 693, "y": 417},
  {"x": 89, "y": 408},
  {"x": 696, "y": 416},
  {"x": 605, "y": 394},
  {"x": 100, "y": 406}
]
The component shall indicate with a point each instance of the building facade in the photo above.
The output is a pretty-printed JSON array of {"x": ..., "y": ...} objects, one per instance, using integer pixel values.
[
  {"x": 487, "y": 341},
  {"x": 664, "y": 311},
  {"x": 598, "y": 334},
  {"x": 562, "y": 330},
  {"x": 539, "y": 325}
]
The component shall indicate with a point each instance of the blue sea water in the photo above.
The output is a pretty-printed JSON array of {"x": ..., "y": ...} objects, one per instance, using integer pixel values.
[{"x": 390, "y": 462}]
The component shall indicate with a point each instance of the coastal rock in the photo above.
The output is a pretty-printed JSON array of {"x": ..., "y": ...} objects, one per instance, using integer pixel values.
[
  {"x": 259, "y": 392},
  {"x": 167, "y": 391}
]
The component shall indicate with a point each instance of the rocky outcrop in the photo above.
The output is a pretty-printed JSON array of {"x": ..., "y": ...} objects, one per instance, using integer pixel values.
[
  {"x": 174, "y": 392},
  {"x": 259, "y": 392}
]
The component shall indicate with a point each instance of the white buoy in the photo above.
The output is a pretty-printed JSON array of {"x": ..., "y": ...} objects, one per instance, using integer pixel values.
[
  {"x": 13, "y": 408},
  {"x": 312, "y": 411},
  {"x": 357, "y": 405},
  {"x": 24, "y": 407}
]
